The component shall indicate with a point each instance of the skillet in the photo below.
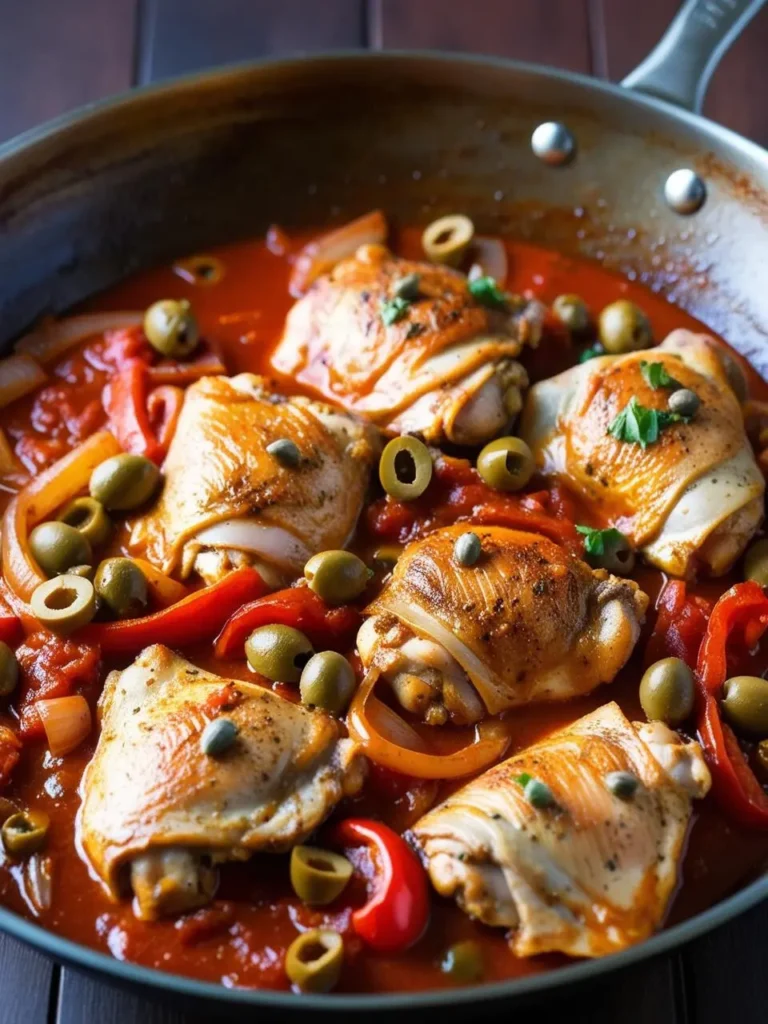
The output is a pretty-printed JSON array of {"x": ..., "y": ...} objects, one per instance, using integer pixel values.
[{"x": 135, "y": 181}]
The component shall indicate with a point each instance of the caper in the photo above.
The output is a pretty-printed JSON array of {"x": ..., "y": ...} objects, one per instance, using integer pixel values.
[
  {"x": 667, "y": 691},
  {"x": 327, "y": 681},
  {"x": 313, "y": 961},
  {"x": 622, "y": 784},
  {"x": 467, "y": 549},
  {"x": 405, "y": 468},
  {"x": 572, "y": 311},
  {"x": 539, "y": 795},
  {"x": 684, "y": 402},
  {"x": 318, "y": 876},
  {"x": 506, "y": 464},
  {"x": 56, "y": 546},
  {"x": 336, "y": 576},
  {"x": 623, "y": 327},
  {"x": 464, "y": 962},
  {"x": 9, "y": 670},
  {"x": 735, "y": 374},
  {"x": 407, "y": 287},
  {"x": 25, "y": 833},
  {"x": 122, "y": 587},
  {"x": 124, "y": 482},
  {"x": 64, "y": 603},
  {"x": 285, "y": 452},
  {"x": 88, "y": 517},
  {"x": 218, "y": 737},
  {"x": 446, "y": 240},
  {"x": 171, "y": 328},
  {"x": 756, "y": 562},
  {"x": 278, "y": 652},
  {"x": 745, "y": 704}
]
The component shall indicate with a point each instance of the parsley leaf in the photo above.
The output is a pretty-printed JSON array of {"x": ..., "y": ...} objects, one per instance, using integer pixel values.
[
  {"x": 485, "y": 291},
  {"x": 523, "y": 779},
  {"x": 394, "y": 309},
  {"x": 637, "y": 424},
  {"x": 592, "y": 352},
  {"x": 596, "y": 541},
  {"x": 656, "y": 375}
]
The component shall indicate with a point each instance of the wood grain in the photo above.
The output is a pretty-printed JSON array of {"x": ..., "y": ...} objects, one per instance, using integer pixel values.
[{"x": 26, "y": 984}]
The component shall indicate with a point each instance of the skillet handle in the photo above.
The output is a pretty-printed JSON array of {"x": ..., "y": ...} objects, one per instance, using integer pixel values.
[{"x": 679, "y": 68}]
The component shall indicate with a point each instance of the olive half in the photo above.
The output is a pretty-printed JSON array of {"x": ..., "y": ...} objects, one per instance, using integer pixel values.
[
  {"x": 64, "y": 603},
  {"x": 318, "y": 876},
  {"x": 405, "y": 468},
  {"x": 313, "y": 961},
  {"x": 506, "y": 464}
]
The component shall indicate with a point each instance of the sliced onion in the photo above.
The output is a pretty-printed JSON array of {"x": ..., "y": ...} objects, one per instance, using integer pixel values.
[
  {"x": 66, "y": 720},
  {"x": 54, "y": 337},
  {"x": 38, "y": 881},
  {"x": 490, "y": 255},
  {"x": 165, "y": 591},
  {"x": 323, "y": 253},
  {"x": 489, "y": 745},
  {"x": 387, "y": 722},
  {"x": 19, "y": 375}
]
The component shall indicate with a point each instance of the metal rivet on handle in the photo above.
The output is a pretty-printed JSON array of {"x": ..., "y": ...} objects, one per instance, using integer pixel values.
[
  {"x": 553, "y": 143},
  {"x": 685, "y": 191}
]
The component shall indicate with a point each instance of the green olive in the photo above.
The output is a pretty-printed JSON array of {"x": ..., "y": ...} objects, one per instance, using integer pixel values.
[
  {"x": 25, "y": 833},
  {"x": 328, "y": 682},
  {"x": 88, "y": 517},
  {"x": 124, "y": 482},
  {"x": 756, "y": 562},
  {"x": 405, "y": 468},
  {"x": 506, "y": 464},
  {"x": 464, "y": 962},
  {"x": 317, "y": 876},
  {"x": 572, "y": 311},
  {"x": 336, "y": 576},
  {"x": 667, "y": 691},
  {"x": 623, "y": 327},
  {"x": 64, "y": 603},
  {"x": 122, "y": 587},
  {"x": 278, "y": 652},
  {"x": 171, "y": 328},
  {"x": 9, "y": 670},
  {"x": 446, "y": 240},
  {"x": 745, "y": 704},
  {"x": 56, "y": 547},
  {"x": 313, "y": 961}
]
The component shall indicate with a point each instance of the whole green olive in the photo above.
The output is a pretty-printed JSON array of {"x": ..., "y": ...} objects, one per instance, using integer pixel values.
[
  {"x": 318, "y": 876},
  {"x": 336, "y": 576},
  {"x": 327, "y": 681},
  {"x": 745, "y": 704},
  {"x": 56, "y": 547},
  {"x": 313, "y": 961},
  {"x": 667, "y": 691},
  {"x": 572, "y": 311},
  {"x": 506, "y": 464},
  {"x": 756, "y": 562},
  {"x": 171, "y": 328},
  {"x": 124, "y": 482},
  {"x": 278, "y": 652},
  {"x": 623, "y": 327},
  {"x": 88, "y": 517},
  {"x": 64, "y": 603},
  {"x": 9, "y": 670},
  {"x": 25, "y": 833},
  {"x": 405, "y": 468},
  {"x": 121, "y": 586},
  {"x": 464, "y": 962}
]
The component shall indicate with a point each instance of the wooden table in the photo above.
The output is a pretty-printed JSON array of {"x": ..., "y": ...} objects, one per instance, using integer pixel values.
[{"x": 57, "y": 54}]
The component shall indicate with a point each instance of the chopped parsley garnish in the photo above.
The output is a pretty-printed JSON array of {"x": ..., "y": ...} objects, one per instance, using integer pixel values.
[
  {"x": 394, "y": 309},
  {"x": 523, "y": 779},
  {"x": 485, "y": 291},
  {"x": 637, "y": 424},
  {"x": 592, "y": 352},
  {"x": 596, "y": 542},
  {"x": 656, "y": 375}
]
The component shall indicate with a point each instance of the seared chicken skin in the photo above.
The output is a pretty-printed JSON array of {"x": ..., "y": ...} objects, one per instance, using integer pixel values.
[
  {"x": 694, "y": 497},
  {"x": 155, "y": 804},
  {"x": 594, "y": 872},
  {"x": 445, "y": 369},
  {"x": 226, "y": 501},
  {"x": 528, "y": 622}
]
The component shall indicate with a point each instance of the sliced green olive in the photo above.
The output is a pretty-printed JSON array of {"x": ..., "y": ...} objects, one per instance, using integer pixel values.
[
  {"x": 313, "y": 961},
  {"x": 622, "y": 784},
  {"x": 464, "y": 962},
  {"x": 336, "y": 576},
  {"x": 572, "y": 311},
  {"x": 278, "y": 652},
  {"x": 25, "y": 833},
  {"x": 9, "y": 670},
  {"x": 405, "y": 468},
  {"x": 88, "y": 517},
  {"x": 65, "y": 603},
  {"x": 122, "y": 587},
  {"x": 446, "y": 240},
  {"x": 667, "y": 691},
  {"x": 623, "y": 327},
  {"x": 124, "y": 482},
  {"x": 218, "y": 737},
  {"x": 56, "y": 547},
  {"x": 506, "y": 464},
  {"x": 756, "y": 562},
  {"x": 318, "y": 876},
  {"x": 684, "y": 402},
  {"x": 171, "y": 328},
  {"x": 327, "y": 681},
  {"x": 745, "y": 704},
  {"x": 467, "y": 549}
]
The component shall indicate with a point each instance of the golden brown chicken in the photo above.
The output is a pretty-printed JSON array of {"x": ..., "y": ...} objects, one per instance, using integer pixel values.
[
  {"x": 154, "y": 803},
  {"x": 558, "y": 847},
  {"x": 527, "y": 622},
  {"x": 688, "y": 494},
  {"x": 445, "y": 368},
  {"x": 228, "y": 501}
]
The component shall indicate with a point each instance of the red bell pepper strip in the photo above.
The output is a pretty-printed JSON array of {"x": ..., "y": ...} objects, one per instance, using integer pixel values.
[
  {"x": 125, "y": 403},
  {"x": 396, "y": 914},
  {"x": 680, "y": 625},
  {"x": 10, "y": 629},
  {"x": 741, "y": 611},
  {"x": 300, "y": 607},
  {"x": 197, "y": 617}
]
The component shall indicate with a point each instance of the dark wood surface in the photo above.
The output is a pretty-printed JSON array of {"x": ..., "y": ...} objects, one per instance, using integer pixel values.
[{"x": 55, "y": 55}]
